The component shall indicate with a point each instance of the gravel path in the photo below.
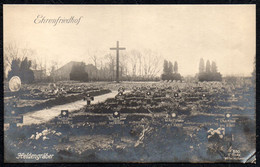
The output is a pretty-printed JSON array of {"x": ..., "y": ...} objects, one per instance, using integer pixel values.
[{"x": 41, "y": 116}]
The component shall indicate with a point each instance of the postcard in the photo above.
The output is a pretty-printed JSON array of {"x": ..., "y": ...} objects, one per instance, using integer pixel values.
[{"x": 129, "y": 83}]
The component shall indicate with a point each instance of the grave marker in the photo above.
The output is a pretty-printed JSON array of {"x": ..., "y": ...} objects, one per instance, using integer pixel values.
[
  {"x": 148, "y": 97},
  {"x": 204, "y": 97},
  {"x": 228, "y": 122},
  {"x": 176, "y": 95},
  {"x": 121, "y": 90},
  {"x": 14, "y": 85},
  {"x": 64, "y": 118},
  {"x": 116, "y": 118},
  {"x": 13, "y": 119},
  {"x": 88, "y": 98},
  {"x": 120, "y": 98},
  {"x": 172, "y": 119},
  {"x": 116, "y": 114}
]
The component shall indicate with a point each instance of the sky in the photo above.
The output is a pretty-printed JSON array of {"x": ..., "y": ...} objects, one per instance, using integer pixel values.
[{"x": 183, "y": 33}]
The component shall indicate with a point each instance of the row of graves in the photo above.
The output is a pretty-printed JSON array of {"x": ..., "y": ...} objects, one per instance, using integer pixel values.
[
  {"x": 32, "y": 98},
  {"x": 216, "y": 133},
  {"x": 216, "y": 138},
  {"x": 13, "y": 110},
  {"x": 187, "y": 112},
  {"x": 164, "y": 101},
  {"x": 163, "y": 98},
  {"x": 173, "y": 109},
  {"x": 57, "y": 90}
]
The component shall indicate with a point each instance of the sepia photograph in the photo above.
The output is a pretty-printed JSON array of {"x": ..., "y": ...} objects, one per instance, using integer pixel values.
[{"x": 129, "y": 83}]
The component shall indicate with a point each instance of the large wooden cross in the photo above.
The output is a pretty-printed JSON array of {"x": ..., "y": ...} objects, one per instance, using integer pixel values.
[{"x": 117, "y": 59}]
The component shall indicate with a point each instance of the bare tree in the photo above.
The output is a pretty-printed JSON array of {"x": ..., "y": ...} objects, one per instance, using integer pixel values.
[
  {"x": 54, "y": 66},
  {"x": 12, "y": 52},
  {"x": 94, "y": 58},
  {"x": 143, "y": 64},
  {"x": 133, "y": 57},
  {"x": 38, "y": 64},
  {"x": 34, "y": 64},
  {"x": 123, "y": 64},
  {"x": 111, "y": 64},
  {"x": 151, "y": 63},
  {"x": 140, "y": 63}
]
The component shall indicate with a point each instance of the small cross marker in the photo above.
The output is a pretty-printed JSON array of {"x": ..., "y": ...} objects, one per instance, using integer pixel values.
[{"x": 89, "y": 98}]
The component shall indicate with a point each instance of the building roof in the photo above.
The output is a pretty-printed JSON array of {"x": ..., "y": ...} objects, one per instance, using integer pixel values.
[{"x": 68, "y": 67}]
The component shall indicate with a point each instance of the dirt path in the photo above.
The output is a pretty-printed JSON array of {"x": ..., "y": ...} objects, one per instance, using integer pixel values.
[{"x": 41, "y": 116}]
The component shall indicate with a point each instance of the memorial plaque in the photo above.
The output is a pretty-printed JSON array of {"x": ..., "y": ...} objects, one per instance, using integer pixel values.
[
  {"x": 173, "y": 120},
  {"x": 13, "y": 119},
  {"x": 15, "y": 84},
  {"x": 64, "y": 118},
  {"x": 116, "y": 118}
]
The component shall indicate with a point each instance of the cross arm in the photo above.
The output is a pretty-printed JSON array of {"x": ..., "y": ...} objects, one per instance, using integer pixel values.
[{"x": 117, "y": 48}]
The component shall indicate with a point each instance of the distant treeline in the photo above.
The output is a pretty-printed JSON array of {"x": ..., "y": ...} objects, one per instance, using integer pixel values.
[
  {"x": 208, "y": 73},
  {"x": 79, "y": 73},
  {"x": 170, "y": 71},
  {"x": 22, "y": 69}
]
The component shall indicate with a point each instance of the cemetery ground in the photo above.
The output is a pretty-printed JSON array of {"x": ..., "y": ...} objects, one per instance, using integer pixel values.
[{"x": 139, "y": 122}]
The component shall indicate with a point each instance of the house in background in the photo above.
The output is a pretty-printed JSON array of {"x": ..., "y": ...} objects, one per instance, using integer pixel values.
[{"x": 63, "y": 73}]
